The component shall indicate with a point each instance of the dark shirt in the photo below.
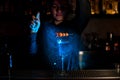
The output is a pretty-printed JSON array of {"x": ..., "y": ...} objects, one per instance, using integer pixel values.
[{"x": 56, "y": 48}]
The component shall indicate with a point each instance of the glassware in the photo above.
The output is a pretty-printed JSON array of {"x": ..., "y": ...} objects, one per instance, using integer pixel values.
[
  {"x": 117, "y": 67},
  {"x": 63, "y": 41}
]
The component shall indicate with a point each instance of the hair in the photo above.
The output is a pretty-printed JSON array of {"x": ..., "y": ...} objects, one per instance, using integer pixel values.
[
  {"x": 46, "y": 7},
  {"x": 65, "y": 3}
]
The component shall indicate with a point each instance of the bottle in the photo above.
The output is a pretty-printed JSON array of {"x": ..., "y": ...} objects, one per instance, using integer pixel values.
[
  {"x": 109, "y": 43},
  {"x": 116, "y": 47},
  {"x": 107, "y": 47}
]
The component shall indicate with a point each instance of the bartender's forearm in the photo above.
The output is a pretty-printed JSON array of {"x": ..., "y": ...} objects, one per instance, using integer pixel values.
[
  {"x": 83, "y": 13},
  {"x": 33, "y": 36},
  {"x": 83, "y": 8},
  {"x": 33, "y": 43}
]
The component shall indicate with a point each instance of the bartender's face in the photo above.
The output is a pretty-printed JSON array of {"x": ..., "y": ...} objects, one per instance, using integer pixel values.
[{"x": 58, "y": 10}]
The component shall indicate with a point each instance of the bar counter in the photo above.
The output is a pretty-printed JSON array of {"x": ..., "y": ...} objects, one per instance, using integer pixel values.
[{"x": 110, "y": 74}]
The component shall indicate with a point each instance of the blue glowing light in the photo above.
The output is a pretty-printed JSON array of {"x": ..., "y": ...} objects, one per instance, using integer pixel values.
[
  {"x": 54, "y": 63},
  {"x": 33, "y": 48},
  {"x": 36, "y": 24},
  {"x": 33, "y": 44},
  {"x": 56, "y": 48},
  {"x": 10, "y": 61},
  {"x": 59, "y": 41},
  {"x": 83, "y": 59}
]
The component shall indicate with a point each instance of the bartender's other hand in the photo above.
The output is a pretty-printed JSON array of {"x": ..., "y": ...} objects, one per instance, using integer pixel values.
[{"x": 35, "y": 23}]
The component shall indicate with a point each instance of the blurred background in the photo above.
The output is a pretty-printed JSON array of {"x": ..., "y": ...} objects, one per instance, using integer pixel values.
[{"x": 101, "y": 37}]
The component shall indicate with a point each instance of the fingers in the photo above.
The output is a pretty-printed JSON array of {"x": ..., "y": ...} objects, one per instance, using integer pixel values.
[
  {"x": 38, "y": 15},
  {"x": 35, "y": 23},
  {"x": 36, "y": 19},
  {"x": 33, "y": 17}
]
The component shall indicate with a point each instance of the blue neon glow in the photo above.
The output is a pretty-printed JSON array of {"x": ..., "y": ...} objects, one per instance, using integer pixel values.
[
  {"x": 36, "y": 24},
  {"x": 33, "y": 44},
  {"x": 84, "y": 60},
  {"x": 54, "y": 63},
  {"x": 62, "y": 52},
  {"x": 34, "y": 29},
  {"x": 59, "y": 41},
  {"x": 10, "y": 61},
  {"x": 61, "y": 48}
]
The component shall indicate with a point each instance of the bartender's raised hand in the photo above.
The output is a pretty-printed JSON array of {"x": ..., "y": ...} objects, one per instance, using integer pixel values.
[{"x": 35, "y": 23}]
